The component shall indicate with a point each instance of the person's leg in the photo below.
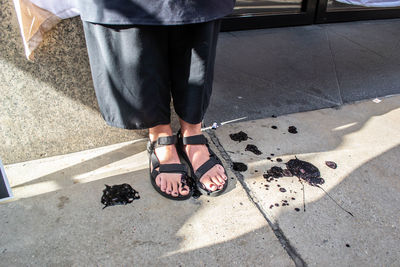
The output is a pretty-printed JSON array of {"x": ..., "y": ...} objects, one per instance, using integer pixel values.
[
  {"x": 192, "y": 56},
  {"x": 131, "y": 78},
  {"x": 169, "y": 183},
  {"x": 130, "y": 73},
  {"x": 215, "y": 178}
]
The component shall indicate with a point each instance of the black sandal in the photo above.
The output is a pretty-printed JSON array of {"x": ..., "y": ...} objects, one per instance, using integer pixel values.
[
  {"x": 214, "y": 160},
  {"x": 167, "y": 168}
]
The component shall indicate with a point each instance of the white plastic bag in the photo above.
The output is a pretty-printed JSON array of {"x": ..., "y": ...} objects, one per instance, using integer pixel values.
[
  {"x": 39, "y": 16},
  {"x": 63, "y": 9}
]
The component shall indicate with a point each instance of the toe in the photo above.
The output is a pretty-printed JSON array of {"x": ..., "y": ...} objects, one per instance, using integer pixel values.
[
  {"x": 175, "y": 192},
  {"x": 158, "y": 181},
  {"x": 209, "y": 184},
  {"x": 169, "y": 188},
  {"x": 163, "y": 183},
  {"x": 212, "y": 187},
  {"x": 183, "y": 190},
  {"x": 217, "y": 182},
  {"x": 221, "y": 180},
  {"x": 221, "y": 172}
]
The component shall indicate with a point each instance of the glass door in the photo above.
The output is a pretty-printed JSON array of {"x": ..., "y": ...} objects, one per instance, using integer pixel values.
[
  {"x": 273, "y": 6},
  {"x": 351, "y": 10},
  {"x": 255, "y": 14}
]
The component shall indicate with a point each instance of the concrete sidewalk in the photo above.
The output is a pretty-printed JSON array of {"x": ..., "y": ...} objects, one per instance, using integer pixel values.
[
  {"x": 57, "y": 218},
  {"x": 363, "y": 139}
]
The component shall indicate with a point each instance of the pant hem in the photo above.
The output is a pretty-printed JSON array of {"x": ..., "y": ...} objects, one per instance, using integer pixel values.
[{"x": 134, "y": 127}]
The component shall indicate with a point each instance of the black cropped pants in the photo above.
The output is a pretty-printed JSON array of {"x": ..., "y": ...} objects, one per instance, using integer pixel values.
[{"x": 137, "y": 68}]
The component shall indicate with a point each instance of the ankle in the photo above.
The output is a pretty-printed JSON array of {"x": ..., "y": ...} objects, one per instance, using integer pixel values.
[
  {"x": 159, "y": 131},
  {"x": 167, "y": 154},
  {"x": 188, "y": 129}
]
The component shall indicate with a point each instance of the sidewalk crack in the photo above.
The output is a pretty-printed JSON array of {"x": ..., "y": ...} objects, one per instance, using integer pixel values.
[
  {"x": 334, "y": 67},
  {"x": 290, "y": 250}
]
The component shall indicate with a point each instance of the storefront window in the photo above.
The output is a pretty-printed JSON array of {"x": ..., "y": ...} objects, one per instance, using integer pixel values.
[
  {"x": 251, "y": 7},
  {"x": 361, "y": 4},
  {"x": 336, "y": 5}
]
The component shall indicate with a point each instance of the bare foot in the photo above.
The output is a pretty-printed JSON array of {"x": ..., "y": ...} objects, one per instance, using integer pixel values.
[
  {"x": 214, "y": 178},
  {"x": 170, "y": 183}
]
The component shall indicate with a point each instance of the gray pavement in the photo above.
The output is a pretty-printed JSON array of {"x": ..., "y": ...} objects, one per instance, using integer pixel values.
[
  {"x": 293, "y": 69},
  {"x": 363, "y": 139},
  {"x": 56, "y": 217}
]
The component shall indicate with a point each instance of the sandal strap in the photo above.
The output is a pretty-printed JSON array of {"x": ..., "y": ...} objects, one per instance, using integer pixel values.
[
  {"x": 173, "y": 168},
  {"x": 195, "y": 140},
  {"x": 206, "y": 166},
  {"x": 162, "y": 141},
  {"x": 167, "y": 140},
  {"x": 170, "y": 168}
]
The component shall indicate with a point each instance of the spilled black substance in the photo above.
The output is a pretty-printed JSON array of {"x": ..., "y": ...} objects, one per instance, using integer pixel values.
[
  {"x": 239, "y": 166},
  {"x": 292, "y": 130},
  {"x": 287, "y": 173},
  {"x": 118, "y": 195},
  {"x": 279, "y": 160},
  {"x": 305, "y": 171},
  {"x": 331, "y": 164},
  {"x": 239, "y": 137},
  {"x": 275, "y": 172},
  {"x": 304, "y": 196},
  {"x": 196, "y": 193},
  {"x": 274, "y": 127},
  {"x": 283, "y": 190},
  {"x": 254, "y": 149}
]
